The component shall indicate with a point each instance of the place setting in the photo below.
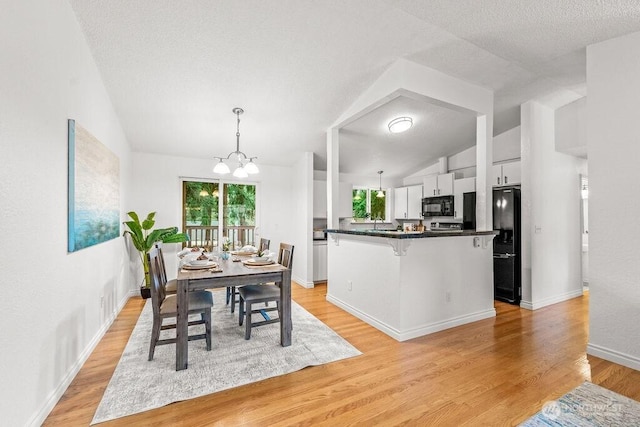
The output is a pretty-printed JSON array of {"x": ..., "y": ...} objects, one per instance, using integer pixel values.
[
  {"x": 258, "y": 261},
  {"x": 204, "y": 261}
]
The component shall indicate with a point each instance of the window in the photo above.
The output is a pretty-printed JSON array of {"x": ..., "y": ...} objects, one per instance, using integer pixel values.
[
  {"x": 367, "y": 204},
  {"x": 204, "y": 203}
]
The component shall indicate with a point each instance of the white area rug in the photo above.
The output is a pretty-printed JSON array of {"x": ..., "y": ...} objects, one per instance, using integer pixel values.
[{"x": 138, "y": 385}]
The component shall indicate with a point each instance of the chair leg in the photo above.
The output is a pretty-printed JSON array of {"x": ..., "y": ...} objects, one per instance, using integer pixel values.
[
  {"x": 232, "y": 299},
  {"x": 207, "y": 327},
  {"x": 228, "y": 293},
  {"x": 240, "y": 311},
  {"x": 155, "y": 335},
  {"x": 247, "y": 331}
]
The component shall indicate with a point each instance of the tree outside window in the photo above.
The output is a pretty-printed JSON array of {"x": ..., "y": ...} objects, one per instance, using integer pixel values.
[
  {"x": 205, "y": 203},
  {"x": 366, "y": 204},
  {"x": 200, "y": 206}
]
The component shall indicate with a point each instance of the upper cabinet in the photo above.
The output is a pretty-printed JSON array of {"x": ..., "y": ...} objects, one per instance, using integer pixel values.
[
  {"x": 506, "y": 174},
  {"x": 438, "y": 185},
  {"x": 461, "y": 186},
  {"x": 408, "y": 202}
]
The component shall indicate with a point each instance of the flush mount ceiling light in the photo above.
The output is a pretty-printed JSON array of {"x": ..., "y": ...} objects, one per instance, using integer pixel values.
[
  {"x": 244, "y": 169},
  {"x": 380, "y": 192},
  {"x": 400, "y": 124}
]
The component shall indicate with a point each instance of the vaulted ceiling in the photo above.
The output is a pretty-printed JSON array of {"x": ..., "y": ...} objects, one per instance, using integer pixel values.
[{"x": 175, "y": 70}]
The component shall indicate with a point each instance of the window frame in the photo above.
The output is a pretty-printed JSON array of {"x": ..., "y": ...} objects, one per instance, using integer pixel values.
[
  {"x": 221, "y": 184},
  {"x": 370, "y": 193}
]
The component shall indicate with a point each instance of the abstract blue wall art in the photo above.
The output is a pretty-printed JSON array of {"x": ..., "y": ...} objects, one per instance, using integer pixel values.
[{"x": 94, "y": 190}]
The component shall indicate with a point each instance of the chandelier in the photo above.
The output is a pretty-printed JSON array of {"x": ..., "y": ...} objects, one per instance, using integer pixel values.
[{"x": 244, "y": 169}]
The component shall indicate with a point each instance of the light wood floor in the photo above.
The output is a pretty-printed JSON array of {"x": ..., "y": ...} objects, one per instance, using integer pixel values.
[{"x": 492, "y": 372}]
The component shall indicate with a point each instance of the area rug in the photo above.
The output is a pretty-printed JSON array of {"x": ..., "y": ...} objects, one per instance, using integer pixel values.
[
  {"x": 138, "y": 385},
  {"x": 588, "y": 405}
]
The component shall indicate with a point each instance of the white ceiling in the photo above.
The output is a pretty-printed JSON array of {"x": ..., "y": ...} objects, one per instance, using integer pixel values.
[{"x": 175, "y": 70}]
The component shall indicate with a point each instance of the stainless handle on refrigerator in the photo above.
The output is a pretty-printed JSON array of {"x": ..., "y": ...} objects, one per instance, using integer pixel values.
[
  {"x": 498, "y": 180},
  {"x": 506, "y": 179},
  {"x": 504, "y": 256}
]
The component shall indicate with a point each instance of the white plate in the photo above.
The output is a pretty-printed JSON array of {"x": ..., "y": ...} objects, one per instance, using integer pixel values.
[
  {"x": 252, "y": 261},
  {"x": 195, "y": 262},
  {"x": 209, "y": 264}
]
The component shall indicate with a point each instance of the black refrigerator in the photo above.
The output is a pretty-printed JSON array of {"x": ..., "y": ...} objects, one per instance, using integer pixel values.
[{"x": 506, "y": 245}]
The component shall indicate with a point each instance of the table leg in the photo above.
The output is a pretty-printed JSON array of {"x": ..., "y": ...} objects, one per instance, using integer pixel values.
[
  {"x": 182, "y": 332},
  {"x": 285, "y": 297}
]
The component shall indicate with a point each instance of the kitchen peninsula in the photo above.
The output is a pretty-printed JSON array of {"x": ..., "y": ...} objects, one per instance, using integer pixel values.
[{"x": 412, "y": 284}]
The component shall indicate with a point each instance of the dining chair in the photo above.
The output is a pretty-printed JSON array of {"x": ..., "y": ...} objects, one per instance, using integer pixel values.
[
  {"x": 232, "y": 293},
  {"x": 165, "y": 306},
  {"x": 171, "y": 286},
  {"x": 264, "y": 293}
]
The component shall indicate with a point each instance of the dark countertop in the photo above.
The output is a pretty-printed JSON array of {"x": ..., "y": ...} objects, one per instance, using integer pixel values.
[{"x": 412, "y": 235}]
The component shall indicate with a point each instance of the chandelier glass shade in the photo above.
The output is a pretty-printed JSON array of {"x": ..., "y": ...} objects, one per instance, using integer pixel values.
[
  {"x": 246, "y": 165},
  {"x": 400, "y": 124}
]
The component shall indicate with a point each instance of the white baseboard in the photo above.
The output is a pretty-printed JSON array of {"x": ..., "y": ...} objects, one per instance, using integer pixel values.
[
  {"x": 303, "y": 283},
  {"x": 526, "y": 304},
  {"x": 403, "y": 335},
  {"x": 38, "y": 418},
  {"x": 623, "y": 359},
  {"x": 534, "y": 305}
]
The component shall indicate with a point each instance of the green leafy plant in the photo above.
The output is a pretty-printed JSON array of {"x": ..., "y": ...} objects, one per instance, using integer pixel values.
[
  {"x": 143, "y": 237},
  {"x": 226, "y": 244}
]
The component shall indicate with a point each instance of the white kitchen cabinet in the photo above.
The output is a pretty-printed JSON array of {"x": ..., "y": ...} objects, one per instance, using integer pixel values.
[
  {"x": 506, "y": 174},
  {"x": 461, "y": 186},
  {"x": 408, "y": 202},
  {"x": 320, "y": 261},
  {"x": 438, "y": 185},
  {"x": 319, "y": 199}
]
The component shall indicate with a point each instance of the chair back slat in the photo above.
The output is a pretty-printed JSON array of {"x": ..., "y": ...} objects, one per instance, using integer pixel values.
[
  {"x": 158, "y": 280},
  {"x": 285, "y": 255},
  {"x": 163, "y": 268},
  {"x": 264, "y": 245}
]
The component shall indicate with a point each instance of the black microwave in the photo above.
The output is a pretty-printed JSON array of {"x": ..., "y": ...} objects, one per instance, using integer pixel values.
[{"x": 437, "y": 206}]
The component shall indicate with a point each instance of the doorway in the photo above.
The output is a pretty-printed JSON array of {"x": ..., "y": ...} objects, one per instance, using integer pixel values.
[{"x": 584, "y": 221}]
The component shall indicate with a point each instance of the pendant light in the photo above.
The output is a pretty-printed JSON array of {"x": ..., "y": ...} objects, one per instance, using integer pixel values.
[
  {"x": 243, "y": 170},
  {"x": 380, "y": 192}
]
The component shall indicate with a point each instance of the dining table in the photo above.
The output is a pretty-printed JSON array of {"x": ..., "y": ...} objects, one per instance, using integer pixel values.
[{"x": 230, "y": 272}]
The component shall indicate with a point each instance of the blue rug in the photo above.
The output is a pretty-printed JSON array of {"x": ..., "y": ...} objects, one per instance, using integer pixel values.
[{"x": 588, "y": 405}]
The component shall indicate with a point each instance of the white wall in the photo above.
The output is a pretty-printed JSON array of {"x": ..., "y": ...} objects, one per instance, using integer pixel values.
[
  {"x": 157, "y": 187},
  {"x": 506, "y": 146},
  {"x": 52, "y": 316},
  {"x": 301, "y": 217},
  {"x": 571, "y": 128},
  {"x": 551, "y": 234},
  {"x": 613, "y": 144}
]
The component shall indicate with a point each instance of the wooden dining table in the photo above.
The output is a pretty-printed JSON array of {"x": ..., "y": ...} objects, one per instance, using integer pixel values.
[{"x": 234, "y": 273}]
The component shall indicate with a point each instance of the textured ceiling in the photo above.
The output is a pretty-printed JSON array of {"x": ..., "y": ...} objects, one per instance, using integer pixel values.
[{"x": 175, "y": 70}]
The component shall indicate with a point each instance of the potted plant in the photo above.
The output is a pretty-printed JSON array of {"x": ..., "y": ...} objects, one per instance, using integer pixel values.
[{"x": 143, "y": 238}]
